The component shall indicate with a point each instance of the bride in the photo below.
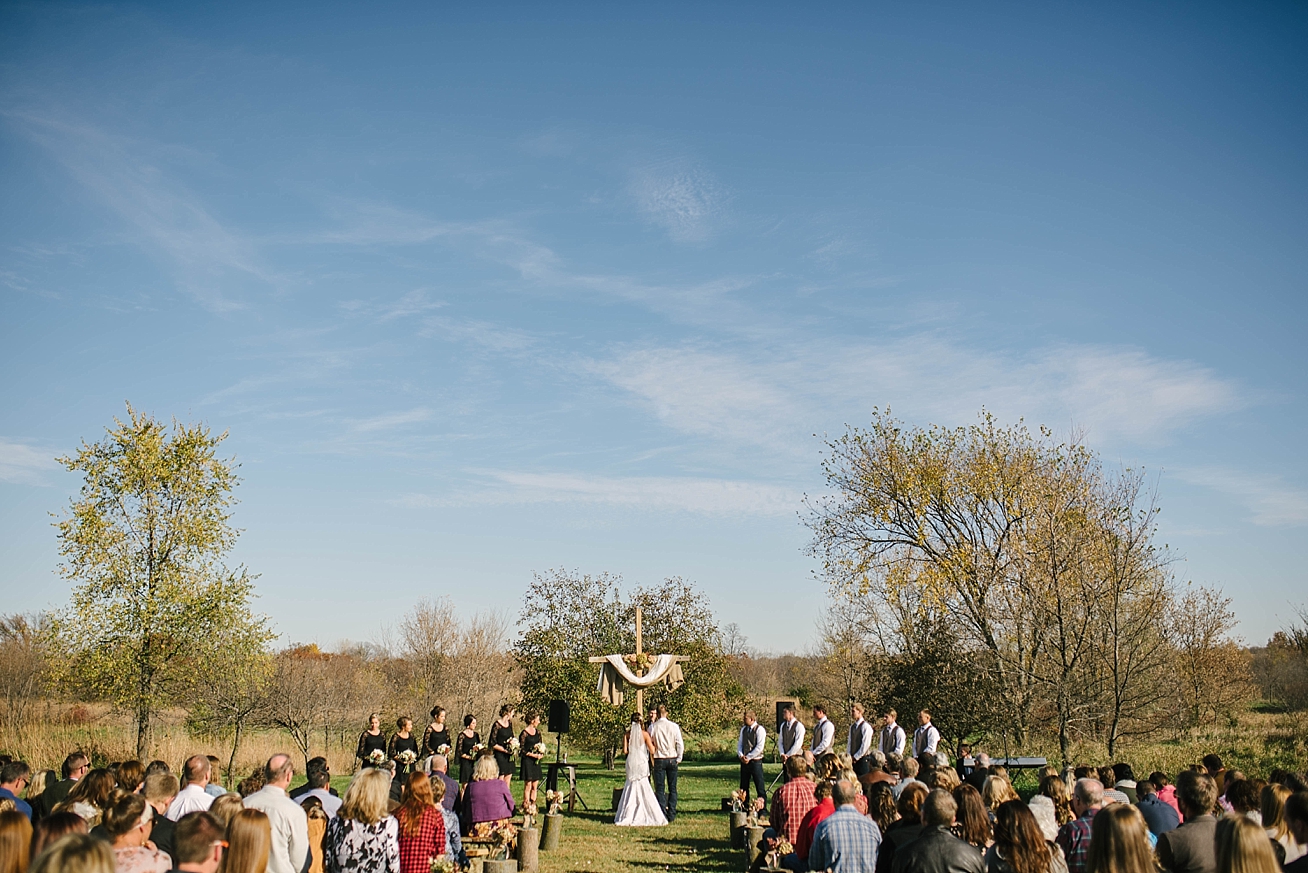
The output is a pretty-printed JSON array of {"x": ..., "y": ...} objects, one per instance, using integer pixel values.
[{"x": 638, "y": 806}]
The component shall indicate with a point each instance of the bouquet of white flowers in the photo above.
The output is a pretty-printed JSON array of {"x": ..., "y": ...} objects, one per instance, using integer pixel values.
[
  {"x": 478, "y": 749},
  {"x": 514, "y": 746},
  {"x": 542, "y": 749},
  {"x": 408, "y": 757},
  {"x": 553, "y": 802},
  {"x": 443, "y": 749},
  {"x": 377, "y": 757}
]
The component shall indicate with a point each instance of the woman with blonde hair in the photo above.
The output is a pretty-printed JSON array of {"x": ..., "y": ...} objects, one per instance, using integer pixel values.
[
  {"x": 363, "y": 835},
  {"x": 249, "y": 842},
  {"x": 1119, "y": 842},
  {"x": 1243, "y": 847},
  {"x": 224, "y": 808},
  {"x": 487, "y": 800},
  {"x": 15, "y": 842},
  {"x": 997, "y": 790},
  {"x": 128, "y": 821},
  {"x": 1055, "y": 789},
  {"x": 75, "y": 853},
  {"x": 1273, "y": 810}
]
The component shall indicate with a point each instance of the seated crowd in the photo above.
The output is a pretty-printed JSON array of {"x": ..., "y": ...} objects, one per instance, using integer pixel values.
[
  {"x": 925, "y": 816},
  {"x": 137, "y": 818}
]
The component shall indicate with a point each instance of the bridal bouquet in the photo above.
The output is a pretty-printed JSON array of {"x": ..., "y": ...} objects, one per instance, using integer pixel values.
[
  {"x": 443, "y": 749},
  {"x": 513, "y": 746},
  {"x": 377, "y": 757},
  {"x": 407, "y": 758},
  {"x": 553, "y": 802}
]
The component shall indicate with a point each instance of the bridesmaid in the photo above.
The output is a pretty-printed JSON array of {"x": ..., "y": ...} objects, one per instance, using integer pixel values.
[
  {"x": 436, "y": 734},
  {"x": 501, "y": 733},
  {"x": 371, "y": 740},
  {"x": 468, "y": 740},
  {"x": 532, "y": 751},
  {"x": 402, "y": 741}
]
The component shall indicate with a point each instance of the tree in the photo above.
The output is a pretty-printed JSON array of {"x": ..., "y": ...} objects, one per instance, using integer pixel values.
[
  {"x": 428, "y": 636},
  {"x": 231, "y": 698},
  {"x": 1282, "y": 666},
  {"x": 1213, "y": 670},
  {"x": 144, "y": 542},
  {"x": 24, "y": 667}
]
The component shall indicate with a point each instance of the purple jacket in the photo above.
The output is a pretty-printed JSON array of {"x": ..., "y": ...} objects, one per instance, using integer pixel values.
[
  {"x": 451, "y": 797},
  {"x": 488, "y": 800}
]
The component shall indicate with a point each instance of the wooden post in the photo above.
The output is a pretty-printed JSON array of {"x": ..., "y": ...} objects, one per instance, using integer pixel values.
[{"x": 640, "y": 692}]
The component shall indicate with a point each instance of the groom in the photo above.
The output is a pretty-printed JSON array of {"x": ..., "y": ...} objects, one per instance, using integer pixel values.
[{"x": 669, "y": 748}]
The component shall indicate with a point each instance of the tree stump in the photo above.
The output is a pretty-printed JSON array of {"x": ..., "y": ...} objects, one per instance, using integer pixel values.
[
  {"x": 738, "y": 829},
  {"x": 529, "y": 850},
  {"x": 753, "y": 836},
  {"x": 509, "y": 866},
  {"x": 549, "y": 838}
]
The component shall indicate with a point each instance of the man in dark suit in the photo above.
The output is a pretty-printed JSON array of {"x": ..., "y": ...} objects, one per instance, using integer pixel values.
[
  {"x": 159, "y": 789},
  {"x": 1189, "y": 848},
  {"x": 1159, "y": 816},
  {"x": 75, "y": 766}
]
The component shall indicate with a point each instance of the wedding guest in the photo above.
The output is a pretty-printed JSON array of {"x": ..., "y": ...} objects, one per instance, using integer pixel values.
[
  {"x": 1159, "y": 817},
  {"x": 1054, "y": 788},
  {"x": 823, "y": 807},
  {"x": 1111, "y": 794},
  {"x": 469, "y": 739},
  {"x": 363, "y": 836},
  {"x": 997, "y": 790},
  {"x": 500, "y": 737},
  {"x": 1074, "y": 837},
  {"x": 926, "y": 738},
  {"x": 200, "y": 842},
  {"x": 792, "y": 801},
  {"x": 1165, "y": 790},
  {"x": 845, "y": 841},
  {"x": 436, "y": 736},
  {"x": 287, "y": 820},
  {"x": 1042, "y": 809},
  {"x": 1296, "y": 819},
  {"x": 531, "y": 745},
  {"x": 906, "y": 828},
  {"x": 1189, "y": 848},
  {"x": 881, "y": 806},
  {"x": 1020, "y": 846},
  {"x": 790, "y": 737},
  {"x": 908, "y": 770},
  {"x": 213, "y": 789},
  {"x": 159, "y": 789},
  {"x": 973, "y": 818},
  {"x": 371, "y": 740},
  {"x": 89, "y": 796},
  {"x": 1242, "y": 795},
  {"x": 41, "y": 780},
  {"x": 319, "y": 785},
  {"x": 192, "y": 797},
  {"x": 14, "y": 778},
  {"x": 316, "y": 820},
  {"x": 128, "y": 823},
  {"x": 225, "y": 808},
  {"x": 75, "y": 853},
  {"x": 440, "y": 766},
  {"x": 859, "y": 745},
  {"x": 402, "y": 741},
  {"x": 1275, "y": 822},
  {"x": 669, "y": 749},
  {"x": 937, "y": 850},
  {"x": 486, "y": 800},
  {"x": 750, "y": 745},
  {"x": 824, "y": 734},
  {"x": 1120, "y": 842},
  {"x": 892, "y": 739},
  {"x": 75, "y": 766},
  {"x": 1124, "y": 781},
  {"x": 130, "y": 776},
  {"x": 421, "y": 825},
  {"x": 15, "y": 841},
  {"x": 249, "y": 843},
  {"x": 49, "y": 829}
]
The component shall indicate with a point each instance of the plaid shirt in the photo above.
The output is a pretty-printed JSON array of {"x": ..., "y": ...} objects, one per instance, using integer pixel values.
[
  {"x": 789, "y": 805},
  {"x": 1074, "y": 840},
  {"x": 417, "y": 851},
  {"x": 846, "y": 842}
]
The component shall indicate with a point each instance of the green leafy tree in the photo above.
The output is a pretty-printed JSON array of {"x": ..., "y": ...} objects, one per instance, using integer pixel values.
[{"x": 154, "y": 607}]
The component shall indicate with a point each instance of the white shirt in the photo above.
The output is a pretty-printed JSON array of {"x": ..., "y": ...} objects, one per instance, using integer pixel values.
[
  {"x": 290, "y": 829},
  {"x": 892, "y": 739},
  {"x": 192, "y": 798},
  {"x": 860, "y": 739},
  {"x": 824, "y": 735},
  {"x": 668, "y": 742},
  {"x": 330, "y": 802},
  {"x": 798, "y": 745},
  {"x": 925, "y": 739},
  {"x": 751, "y": 742}
]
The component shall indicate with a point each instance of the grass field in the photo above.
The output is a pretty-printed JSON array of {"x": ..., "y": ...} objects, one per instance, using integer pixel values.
[{"x": 697, "y": 840}]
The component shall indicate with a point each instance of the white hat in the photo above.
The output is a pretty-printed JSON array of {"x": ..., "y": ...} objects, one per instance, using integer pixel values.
[{"x": 1043, "y": 809}]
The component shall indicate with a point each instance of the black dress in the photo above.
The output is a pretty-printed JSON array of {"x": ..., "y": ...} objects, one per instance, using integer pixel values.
[
  {"x": 368, "y": 743},
  {"x": 464, "y": 750},
  {"x": 401, "y": 744},
  {"x": 433, "y": 740},
  {"x": 530, "y": 766},
  {"x": 500, "y": 736}
]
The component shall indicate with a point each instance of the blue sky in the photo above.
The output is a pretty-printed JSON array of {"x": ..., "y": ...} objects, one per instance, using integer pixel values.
[{"x": 481, "y": 293}]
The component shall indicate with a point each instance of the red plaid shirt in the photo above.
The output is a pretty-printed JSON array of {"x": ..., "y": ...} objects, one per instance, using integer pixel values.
[
  {"x": 789, "y": 805},
  {"x": 429, "y": 842}
]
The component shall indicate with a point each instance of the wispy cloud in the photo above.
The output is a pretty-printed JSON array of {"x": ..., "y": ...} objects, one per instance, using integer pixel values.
[
  {"x": 1271, "y": 501},
  {"x": 718, "y": 497},
  {"x": 679, "y": 196},
  {"x": 23, "y": 464},
  {"x": 390, "y": 420}
]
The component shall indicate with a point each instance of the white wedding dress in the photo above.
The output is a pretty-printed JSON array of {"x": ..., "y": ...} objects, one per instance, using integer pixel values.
[{"x": 638, "y": 806}]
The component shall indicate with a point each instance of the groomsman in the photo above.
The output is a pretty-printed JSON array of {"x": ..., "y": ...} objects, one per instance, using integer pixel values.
[
  {"x": 791, "y": 740},
  {"x": 926, "y": 737},
  {"x": 892, "y": 735},
  {"x": 749, "y": 749},
  {"x": 669, "y": 748},
  {"x": 860, "y": 740},
  {"x": 824, "y": 734}
]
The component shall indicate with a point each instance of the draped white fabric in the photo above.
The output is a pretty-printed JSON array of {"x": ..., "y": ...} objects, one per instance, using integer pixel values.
[{"x": 662, "y": 664}]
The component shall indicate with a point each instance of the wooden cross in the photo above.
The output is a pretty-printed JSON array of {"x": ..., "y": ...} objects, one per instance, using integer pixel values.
[{"x": 640, "y": 647}]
